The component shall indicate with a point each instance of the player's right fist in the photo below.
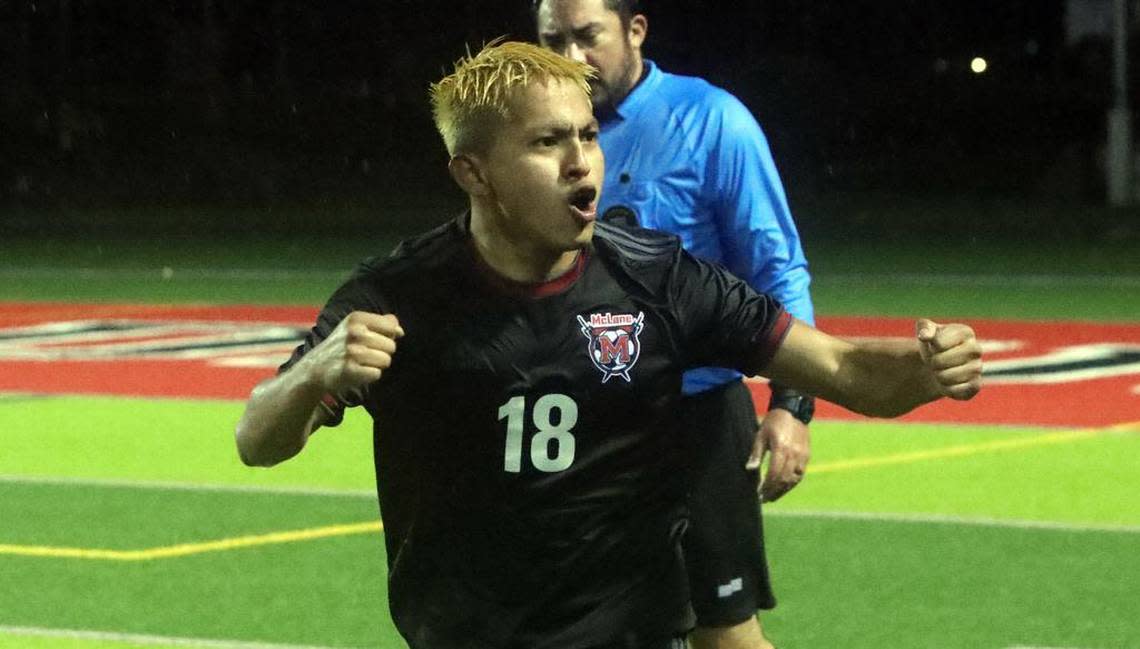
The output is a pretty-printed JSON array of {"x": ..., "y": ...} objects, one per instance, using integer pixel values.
[{"x": 356, "y": 353}]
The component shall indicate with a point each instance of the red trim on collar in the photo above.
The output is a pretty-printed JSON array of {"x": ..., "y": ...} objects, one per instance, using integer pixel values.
[{"x": 527, "y": 289}]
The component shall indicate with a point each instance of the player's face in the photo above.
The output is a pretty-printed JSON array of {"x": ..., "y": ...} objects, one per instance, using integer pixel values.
[
  {"x": 585, "y": 30},
  {"x": 545, "y": 168}
]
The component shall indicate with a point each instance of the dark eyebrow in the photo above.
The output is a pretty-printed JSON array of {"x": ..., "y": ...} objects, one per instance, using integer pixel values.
[
  {"x": 577, "y": 31},
  {"x": 557, "y": 130}
]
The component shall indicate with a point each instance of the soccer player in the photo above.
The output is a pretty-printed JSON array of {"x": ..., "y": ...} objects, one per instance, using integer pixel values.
[
  {"x": 522, "y": 364},
  {"x": 687, "y": 157}
]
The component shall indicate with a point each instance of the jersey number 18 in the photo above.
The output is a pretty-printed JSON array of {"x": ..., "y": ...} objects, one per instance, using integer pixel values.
[{"x": 552, "y": 447}]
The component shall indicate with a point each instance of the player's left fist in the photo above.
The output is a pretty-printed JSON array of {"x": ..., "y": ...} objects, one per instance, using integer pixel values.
[{"x": 953, "y": 356}]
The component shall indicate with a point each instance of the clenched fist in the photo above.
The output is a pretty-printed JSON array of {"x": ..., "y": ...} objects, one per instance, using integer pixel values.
[
  {"x": 953, "y": 356},
  {"x": 355, "y": 354}
]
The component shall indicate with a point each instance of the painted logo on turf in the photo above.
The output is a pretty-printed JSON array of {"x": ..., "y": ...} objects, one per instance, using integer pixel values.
[
  {"x": 614, "y": 346},
  {"x": 228, "y": 344}
]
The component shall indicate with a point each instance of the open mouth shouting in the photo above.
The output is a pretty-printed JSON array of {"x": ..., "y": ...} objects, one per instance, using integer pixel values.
[{"x": 583, "y": 204}]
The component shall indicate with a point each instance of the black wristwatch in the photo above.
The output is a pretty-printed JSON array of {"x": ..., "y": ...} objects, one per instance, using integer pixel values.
[{"x": 802, "y": 406}]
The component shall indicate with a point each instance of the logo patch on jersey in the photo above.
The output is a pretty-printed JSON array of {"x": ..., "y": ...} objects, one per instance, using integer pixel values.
[{"x": 614, "y": 346}]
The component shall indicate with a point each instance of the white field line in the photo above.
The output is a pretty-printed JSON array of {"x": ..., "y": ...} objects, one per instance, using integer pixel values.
[
  {"x": 947, "y": 519},
  {"x": 145, "y": 640},
  {"x": 938, "y": 279},
  {"x": 993, "y": 280},
  {"x": 166, "y": 273},
  {"x": 772, "y": 510},
  {"x": 172, "y": 641},
  {"x": 116, "y": 483}
]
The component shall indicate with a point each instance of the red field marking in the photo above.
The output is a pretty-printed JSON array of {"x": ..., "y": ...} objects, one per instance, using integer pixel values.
[
  {"x": 191, "y": 378},
  {"x": 1085, "y": 402},
  {"x": 24, "y": 313}
]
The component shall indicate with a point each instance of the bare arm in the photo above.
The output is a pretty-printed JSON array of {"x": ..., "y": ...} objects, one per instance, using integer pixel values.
[
  {"x": 884, "y": 378},
  {"x": 283, "y": 411}
]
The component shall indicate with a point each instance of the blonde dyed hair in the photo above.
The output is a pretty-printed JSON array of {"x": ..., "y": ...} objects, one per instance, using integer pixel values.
[{"x": 466, "y": 102}]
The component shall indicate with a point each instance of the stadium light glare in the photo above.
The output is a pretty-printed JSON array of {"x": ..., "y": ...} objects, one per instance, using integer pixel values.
[{"x": 979, "y": 65}]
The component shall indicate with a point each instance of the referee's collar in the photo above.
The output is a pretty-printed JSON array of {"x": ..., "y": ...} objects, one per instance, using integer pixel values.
[{"x": 641, "y": 92}]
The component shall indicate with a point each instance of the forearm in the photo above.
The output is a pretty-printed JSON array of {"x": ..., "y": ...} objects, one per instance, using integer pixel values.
[
  {"x": 878, "y": 378},
  {"x": 279, "y": 417},
  {"x": 882, "y": 378},
  {"x": 283, "y": 411}
]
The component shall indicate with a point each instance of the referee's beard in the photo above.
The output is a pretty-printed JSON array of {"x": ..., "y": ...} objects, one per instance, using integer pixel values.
[{"x": 608, "y": 95}]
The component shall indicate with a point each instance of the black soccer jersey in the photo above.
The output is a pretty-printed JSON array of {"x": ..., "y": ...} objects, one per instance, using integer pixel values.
[{"x": 529, "y": 475}]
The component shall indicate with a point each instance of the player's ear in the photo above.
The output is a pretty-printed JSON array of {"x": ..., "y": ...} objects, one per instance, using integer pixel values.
[
  {"x": 465, "y": 169},
  {"x": 638, "y": 29}
]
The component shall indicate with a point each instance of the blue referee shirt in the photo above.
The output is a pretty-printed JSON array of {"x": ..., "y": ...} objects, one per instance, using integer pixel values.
[{"x": 688, "y": 158}]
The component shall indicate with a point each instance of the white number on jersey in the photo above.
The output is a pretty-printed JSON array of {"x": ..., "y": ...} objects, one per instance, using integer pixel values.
[{"x": 552, "y": 447}]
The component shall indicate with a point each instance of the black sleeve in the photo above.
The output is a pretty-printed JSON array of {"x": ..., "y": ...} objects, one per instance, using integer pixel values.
[
  {"x": 724, "y": 321},
  {"x": 357, "y": 294}
]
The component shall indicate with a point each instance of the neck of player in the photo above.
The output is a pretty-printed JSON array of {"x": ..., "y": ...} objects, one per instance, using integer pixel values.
[{"x": 517, "y": 257}]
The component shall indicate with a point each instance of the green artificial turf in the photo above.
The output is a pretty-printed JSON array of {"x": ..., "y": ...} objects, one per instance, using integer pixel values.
[
  {"x": 325, "y": 591},
  {"x": 872, "y": 584},
  {"x": 851, "y": 583},
  {"x": 169, "y": 440},
  {"x": 1080, "y": 480},
  {"x": 1092, "y": 281},
  {"x": 841, "y": 582}
]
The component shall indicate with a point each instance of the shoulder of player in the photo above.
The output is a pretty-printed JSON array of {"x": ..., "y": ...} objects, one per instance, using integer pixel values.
[
  {"x": 645, "y": 262},
  {"x": 378, "y": 280},
  {"x": 639, "y": 245},
  {"x": 416, "y": 254},
  {"x": 377, "y": 283}
]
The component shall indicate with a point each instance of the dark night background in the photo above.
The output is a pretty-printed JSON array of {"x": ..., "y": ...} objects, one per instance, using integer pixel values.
[{"x": 230, "y": 115}]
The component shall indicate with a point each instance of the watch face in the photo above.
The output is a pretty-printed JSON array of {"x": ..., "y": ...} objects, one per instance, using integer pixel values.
[
  {"x": 806, "y": 409},
  {"x": 801, "y": 406}
]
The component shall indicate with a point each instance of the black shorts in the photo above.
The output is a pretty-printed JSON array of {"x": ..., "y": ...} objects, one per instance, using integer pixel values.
[{"x": 724, "y": 546}]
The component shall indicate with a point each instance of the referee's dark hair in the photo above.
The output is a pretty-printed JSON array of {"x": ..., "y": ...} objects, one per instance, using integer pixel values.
[{"x": 624, "y": 8}]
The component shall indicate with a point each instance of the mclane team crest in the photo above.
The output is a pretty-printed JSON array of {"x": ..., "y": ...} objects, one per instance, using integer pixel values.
[{"x": 613, "y": 346}]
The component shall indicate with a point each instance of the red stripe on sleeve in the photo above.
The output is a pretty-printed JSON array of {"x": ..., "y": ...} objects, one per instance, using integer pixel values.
[{"x": 765, "y": 343}]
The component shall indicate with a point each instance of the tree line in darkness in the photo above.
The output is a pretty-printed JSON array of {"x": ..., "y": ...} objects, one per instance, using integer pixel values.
[{"x": 266, "y": 102}]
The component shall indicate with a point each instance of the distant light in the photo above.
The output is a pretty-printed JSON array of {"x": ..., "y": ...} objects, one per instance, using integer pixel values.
[{"x": 978, "y": 65}]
